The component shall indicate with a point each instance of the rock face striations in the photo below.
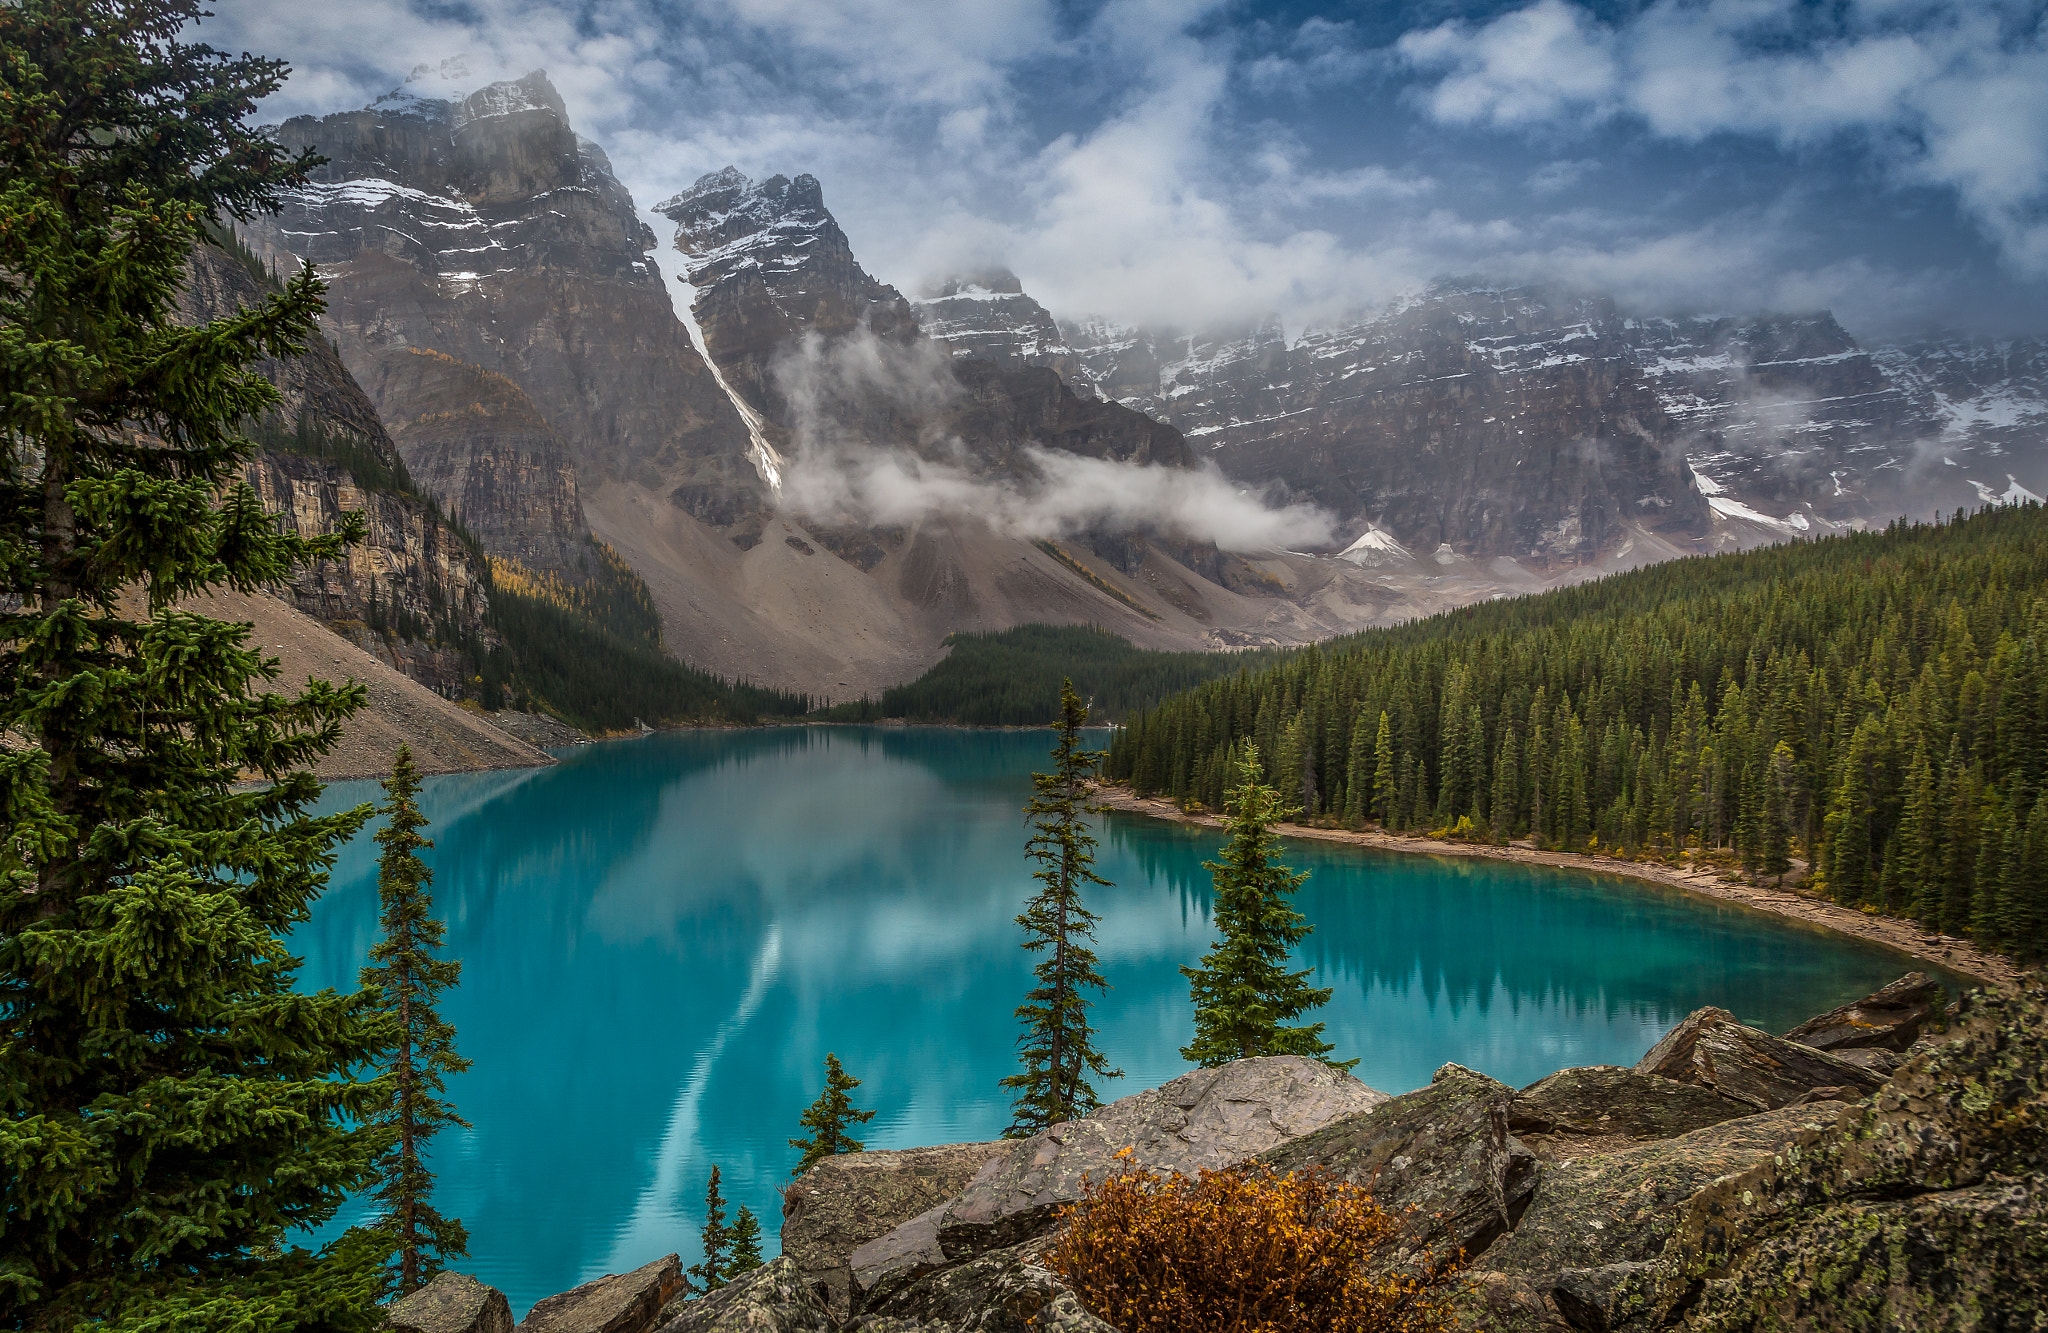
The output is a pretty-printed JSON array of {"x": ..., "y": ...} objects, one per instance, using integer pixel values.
[
  {"x": 414, "y": 593},
  {"x": 481, "y": 227}
]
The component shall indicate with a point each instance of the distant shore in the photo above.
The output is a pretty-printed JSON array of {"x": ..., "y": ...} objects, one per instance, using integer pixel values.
[{"x": 1943, "y": 951}]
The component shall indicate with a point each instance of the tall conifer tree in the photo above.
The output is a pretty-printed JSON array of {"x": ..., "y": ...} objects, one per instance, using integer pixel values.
[
  {"x": 1385, "y": 781},
  {"x": 408, "y": 974},
  {"x": 829, "y": 1118},
  {"x": 708, "y": 1275},
  {"x": 1058, "y": 1046},
  {"x": 1243, "y": 992},
  {"x": 173, "y": 1112}
]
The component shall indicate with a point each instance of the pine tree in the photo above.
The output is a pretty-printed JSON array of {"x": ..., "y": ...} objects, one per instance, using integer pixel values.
[
  {"x": 708, "y": 1275},
  {"x": 1775, "y": 828},
  {"x": 1058, "y": 1047},
  {"x": 408, "y": 976},
  {"x": 173, "y": 1112},
  {"x": 1385, "y": 784},
  {"x": 828, "y": 1119},
  {"x": 746, "y": 1244},
  {"x": 1243, "y": 992},
  {"x": 1507, "y": 787}
]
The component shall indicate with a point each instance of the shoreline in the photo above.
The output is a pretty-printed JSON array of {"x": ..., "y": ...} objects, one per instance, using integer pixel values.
[{"x": 1900, "y": 936}]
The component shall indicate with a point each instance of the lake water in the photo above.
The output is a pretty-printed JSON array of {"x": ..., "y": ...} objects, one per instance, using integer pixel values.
[{"x": 662, "y": 938}]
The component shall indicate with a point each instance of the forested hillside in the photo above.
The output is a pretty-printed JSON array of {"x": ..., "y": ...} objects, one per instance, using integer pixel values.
[
  {"x": 1875, "y": 700},
  {"x": 1012, "y": 677}
]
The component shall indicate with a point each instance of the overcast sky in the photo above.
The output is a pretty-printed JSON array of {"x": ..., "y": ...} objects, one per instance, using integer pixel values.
[{"x": 1182, "y": 161}]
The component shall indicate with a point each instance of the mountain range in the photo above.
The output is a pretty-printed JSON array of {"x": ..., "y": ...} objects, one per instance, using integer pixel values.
[{"x": 813, "y": 479}]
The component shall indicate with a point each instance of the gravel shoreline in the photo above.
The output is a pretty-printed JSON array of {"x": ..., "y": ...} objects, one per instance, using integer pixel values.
[{"x": 1944, "y": 951}]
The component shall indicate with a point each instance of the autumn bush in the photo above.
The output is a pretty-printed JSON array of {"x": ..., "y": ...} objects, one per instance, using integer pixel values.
[{"x": 1245, "y": 1250}]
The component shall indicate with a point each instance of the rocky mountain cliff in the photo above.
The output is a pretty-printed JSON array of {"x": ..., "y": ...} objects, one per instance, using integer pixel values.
[
  {"x": 480, "y": 226},
  {"x": 414, "y": 593},
  {"x": 1786, "y": 424}
]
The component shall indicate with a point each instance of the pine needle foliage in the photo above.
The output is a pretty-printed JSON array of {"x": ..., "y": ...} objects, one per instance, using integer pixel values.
[
  {"x": 746, "y": 1245},
  {"x": 1243, "y": 991},
  {"x": 408, "y": 975},
  {"x": 829, "y": 1118},
  {"x": 708, "y": 1274},
  {"x": 1058, "y": 1046},
  {"x": 1244, "y": 1250},
  {"x": 173, "y": 1113}
]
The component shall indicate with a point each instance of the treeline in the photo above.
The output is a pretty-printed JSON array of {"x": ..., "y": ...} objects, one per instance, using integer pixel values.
[
  {"x": 1012, "y": 678},
  {"x": 593, "y": 656},
  {"x": 1873, "y": 703}
]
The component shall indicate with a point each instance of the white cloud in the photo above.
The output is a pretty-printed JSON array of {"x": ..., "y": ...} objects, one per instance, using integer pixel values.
[{"x": 1951, "y": 93}]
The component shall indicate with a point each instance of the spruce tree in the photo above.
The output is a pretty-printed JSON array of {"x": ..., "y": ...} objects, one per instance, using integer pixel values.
[
  {"x": 708, "y": 1275},
  {"x": 173, "y": 1113},
  {"x": 1243, "y": 992},
  {"x": 408, "y": 975},
  {"x": 746, "y": 1244},
  {"x": 828, "y": 1119},
  {"x": 1058, "y": 1047},
  {"x": 1385, "y": 782}
]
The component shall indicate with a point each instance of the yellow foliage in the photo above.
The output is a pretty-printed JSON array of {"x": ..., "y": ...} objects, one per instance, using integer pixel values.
[{"x": 1246, "y": 1250}]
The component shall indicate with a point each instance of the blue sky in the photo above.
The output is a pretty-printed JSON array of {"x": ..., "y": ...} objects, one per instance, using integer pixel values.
[{"x": 1189, "y": 162}]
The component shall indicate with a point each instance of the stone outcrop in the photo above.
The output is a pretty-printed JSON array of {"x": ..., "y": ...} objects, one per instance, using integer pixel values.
[
  {"x": 1440, "y": 1158},
  {"x": 1890, "y": 1019},
  {"x": 845, "y": 1201},
  {"x": 774, "y": 1298},
  {"x": 1608, "y": 1101},
  {"x": 1002, "y": 1291},
  {"x": 620, "y": 1303},
  {"x": 989, "y": 317},
  {"x": 1710, "y": 1049},
  {"x": 413, "y": 591},
  {"x": 451, "y": 1303}
]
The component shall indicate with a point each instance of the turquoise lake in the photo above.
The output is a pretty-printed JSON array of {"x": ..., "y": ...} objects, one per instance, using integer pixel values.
[{"x": 662, "y": 938}]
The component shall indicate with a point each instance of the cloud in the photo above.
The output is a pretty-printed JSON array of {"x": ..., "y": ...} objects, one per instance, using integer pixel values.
[
  {"x": 1949, "y": 93},
  {"x": 850, "y": 393}
]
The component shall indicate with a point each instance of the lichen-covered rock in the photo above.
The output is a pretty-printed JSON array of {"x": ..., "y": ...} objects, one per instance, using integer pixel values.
[
  {"x": 845, "y": 1201},
  {"x": 1208, "y": 1119},
  {"x": 1601, "y": 1101},
  {"x": 618, "y": 1303},
  {"x": 1004, "y": 1291},
  {"x": 451, "y": 1303},
  {"x": 1440, "y": 1157},
  {"x": 774, "y": 1298},
  {"x": 891, "y": 1262},
  {"x": 1580, "y": 1248},
  {"x": 1710, "y": 1049},
  {"x": 1889, "y": 1019}
]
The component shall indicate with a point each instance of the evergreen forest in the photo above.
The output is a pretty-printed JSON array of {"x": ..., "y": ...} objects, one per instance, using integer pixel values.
[
  {"x": 1867, "y": 707},
  {"x": 1013, "y": 678}
]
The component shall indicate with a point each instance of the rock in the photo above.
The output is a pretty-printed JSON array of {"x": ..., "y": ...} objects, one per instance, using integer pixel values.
[
  {"x": 1710, "y": 1049},
  {"x": 1441, "y": 1154},
  {"x": 1004, "y": 1291},
  {"x": 893, "y": 1261},
  {"x": 620, "y": 1303},
  {"x": 451, "y": 1303},
  {"x": 1889, "y": 1019},
  {"x": 774, "y": 1298},
  {"x": 845, "y": 1201},
  {"x": 1873, "y": 1058},
  {"x": 1608, "y": 1100},
  {"x": 1208, "y": 1119},
  {"x": 1594, "y": 1221}
]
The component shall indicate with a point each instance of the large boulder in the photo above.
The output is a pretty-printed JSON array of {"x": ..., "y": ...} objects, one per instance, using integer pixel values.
[
  {"x": 1610, "y": 1103},
  {"x": 618, "y": 1303},
  {"x": 1890, "y": 1019},
  {"x": 845, "y": 1201},
  {"x": 774, "y": 1298},
  {"x": 1441, "y": 1158},
  {"x": 1205, "y": 1120},
  {"x": 1710, "y": 1049},
  {"x": 1007, "y": 1290},
  {"x": 1594, "y": 1221},
  {"x": 451, "y": 1303}
]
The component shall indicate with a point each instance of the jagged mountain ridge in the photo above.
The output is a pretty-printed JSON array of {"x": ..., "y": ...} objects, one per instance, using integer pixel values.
[{"x": 1790, "y": 425}]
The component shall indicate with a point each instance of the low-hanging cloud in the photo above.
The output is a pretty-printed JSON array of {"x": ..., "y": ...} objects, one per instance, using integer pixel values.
[{"x": 874, "y": 448}]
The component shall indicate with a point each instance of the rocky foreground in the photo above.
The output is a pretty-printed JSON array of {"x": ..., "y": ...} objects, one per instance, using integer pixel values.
[{"x": 1883, "y": 1166}]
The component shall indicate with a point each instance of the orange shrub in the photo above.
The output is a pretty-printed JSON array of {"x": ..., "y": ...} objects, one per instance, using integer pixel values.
[{"x": 1246, "y": 1250}]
